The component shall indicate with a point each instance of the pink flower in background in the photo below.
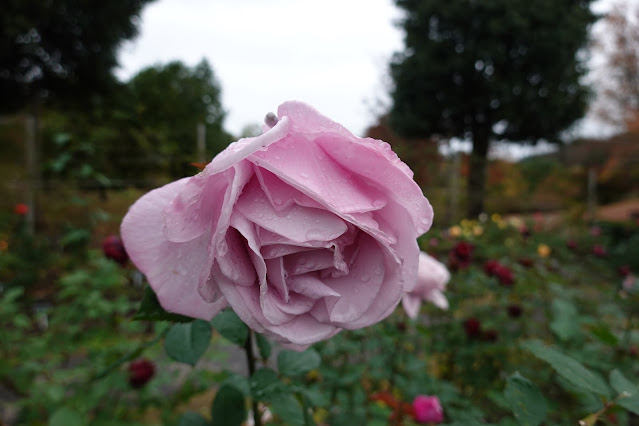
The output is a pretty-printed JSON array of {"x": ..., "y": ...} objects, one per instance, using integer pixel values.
[
  {"x": 303, "y": 231},
  {"x": 432, "y": 277},
  {"x": 113, "y": 249},
  {"x": 428, "y": 409}
]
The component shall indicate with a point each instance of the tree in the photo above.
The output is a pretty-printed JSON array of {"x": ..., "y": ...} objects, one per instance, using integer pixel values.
[
  {"x": 616, "y": 79},
  {"x": 167, "y": 102},
  {"x": 63, "y": 48},
  {"x": 488, "y": 69}
]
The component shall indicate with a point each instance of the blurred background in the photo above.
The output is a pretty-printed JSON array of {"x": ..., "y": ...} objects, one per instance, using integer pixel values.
[{"x": 504, "y": 109}]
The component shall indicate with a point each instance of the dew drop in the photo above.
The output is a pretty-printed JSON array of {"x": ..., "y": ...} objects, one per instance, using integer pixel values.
[
  {"x": 315, "y": 234},
  {"x": 277, "y": 157},
  {"x": 378, "y": 203},
  {"x": 304, "y": 175},
  {"x": 365, "y": 278},
  {"x": 277, "y": 201}
]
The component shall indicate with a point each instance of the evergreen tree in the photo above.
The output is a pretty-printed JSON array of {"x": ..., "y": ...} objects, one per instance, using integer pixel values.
[
  {"x": 65, "y": 49},
  {"x": 489, "y": 69}
]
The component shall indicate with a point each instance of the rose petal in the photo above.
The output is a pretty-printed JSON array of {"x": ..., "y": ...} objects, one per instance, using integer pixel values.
[
  {"x": 171, "y": 268},
  {"x": 310, "y": 286},
  {"x": 295, "y": 223},
  {"x": 236, "y": 263},
  {"x": 276, "y": 276},
  {"x": 301, "y": 263},
  {"x": 366, "y": 158},
  {"x": 411, "y": 305}
]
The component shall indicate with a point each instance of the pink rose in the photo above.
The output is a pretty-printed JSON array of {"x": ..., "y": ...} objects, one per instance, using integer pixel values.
[
  {"x": 432, "y": 277},
  {"x": 428, "y": 409},
  {"x": 303, "y": 231}
]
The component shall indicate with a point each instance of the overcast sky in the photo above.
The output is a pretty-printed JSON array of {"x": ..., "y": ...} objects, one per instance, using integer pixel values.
[{"x": 332, "y": 54}]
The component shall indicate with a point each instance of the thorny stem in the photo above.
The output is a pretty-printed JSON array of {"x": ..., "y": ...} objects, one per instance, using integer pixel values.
[{"x": 250, "y": 359}]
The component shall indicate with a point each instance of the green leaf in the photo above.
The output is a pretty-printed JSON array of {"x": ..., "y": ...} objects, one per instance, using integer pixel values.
[
  {"x": 191, "y": 418},
  {"x": 264, "y": 346},
  {"x": 288, "y": 409},
  {"x": 526, "y": 400},
  {"x": 265, "y": 383},
  {"x": 565, "y": 322},
  {"x": 187, "y": 342},
  {"x": 231, "y": 327},
  {"x": 292, "y": 363},
  {"x": 569, "y": 368},
  {"x": 622, "y": 385},
  {"x": 228, "y": 408},
  {"x": 66, "y": 416},
  {"x": 239, "y": 382},
  {"x": 603, "y": 333},
  {"x": 151, "y": 310}
]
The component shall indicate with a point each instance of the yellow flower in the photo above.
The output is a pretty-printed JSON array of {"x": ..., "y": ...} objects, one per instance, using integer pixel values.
[
  {"x": 455, "y": 231},
  {"x": 543, "y": 250},
  {"x": 478, "y": 230},
  {"x": 495, "y": 217}
]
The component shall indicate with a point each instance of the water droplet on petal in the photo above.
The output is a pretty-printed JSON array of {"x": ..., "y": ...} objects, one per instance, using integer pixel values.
[
  {"x": 365, "y": 278},
  {"x": 304, "y": 175},
  {"x": 277, "y": 201},
  {"x": 315, "y": 234},
  {"x": 378, "y": 203},
  {"x": 222, "y": 248}
]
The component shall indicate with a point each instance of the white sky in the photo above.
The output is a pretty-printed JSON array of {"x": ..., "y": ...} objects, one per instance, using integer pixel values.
[{"x": 332, "y": 54}]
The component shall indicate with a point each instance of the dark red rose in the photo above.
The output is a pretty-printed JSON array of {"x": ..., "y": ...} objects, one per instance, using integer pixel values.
[
  {"x": 571, "y": 244},
  {"x": 472, "y": 326},
  {"x": 504, "y": 275},
  {"x": 524, "y": 231},
  {"x": 599, "y": 250},
  {"x": 490, "y": 266},
  {"x": 113, "y": 249},
  {"x": 624, "y": 270},
  {"x": 515, "y": 311},
  {"x": 461, "y": 254},
  {"x": 140, "y": 372}
]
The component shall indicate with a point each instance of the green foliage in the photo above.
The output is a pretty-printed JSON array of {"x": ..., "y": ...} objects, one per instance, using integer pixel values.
[
  {"x": 293, "y": 363},
  {"x": 230, "y": 326},
  {"x": 228, "y": 407},
  {"x": 187, "y": 342},
  {"x": 526, "y": 400}
]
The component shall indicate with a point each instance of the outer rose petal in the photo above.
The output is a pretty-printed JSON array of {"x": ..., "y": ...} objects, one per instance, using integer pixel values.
[
  {"x": 432, "y": 277},
  {"x": 171, "y": 268}
]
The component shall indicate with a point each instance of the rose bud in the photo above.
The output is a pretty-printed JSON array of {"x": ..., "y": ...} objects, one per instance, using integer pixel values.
[
  {"x": 490, "y": 335},
  {"x": 504, "y": 275},
  {"x": 490, "y": 266},
  {"x": 140, "y": 372},
  {"x": 21, "y": 209},
  {"x": 432, "y": 277},
  {"x": 302, "y": 231},
  {"x": 427, "y": 409},
  {"x": 599, "y": 250},
  {"x": 514, "y": 311},
  {"x": 472, "y": 326},
  {"x": 113, "y": 249}
]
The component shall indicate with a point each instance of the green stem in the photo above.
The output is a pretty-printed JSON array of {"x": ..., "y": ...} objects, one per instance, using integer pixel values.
[{"x": 250, "y": 359}]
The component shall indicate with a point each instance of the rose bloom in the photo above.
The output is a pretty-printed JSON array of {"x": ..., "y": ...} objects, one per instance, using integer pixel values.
[
  {"x": 504, "y": 275},
  {"x": 113, "y": 249},
  {"x": 21, "y": 209},
  {"x": 428, "y": 409},
  {"x": 303, "y": 231},
  {"x": 140, "y": 372},
  {"x": 472, "y": 326},
  {"x": 432, "y": 279}
]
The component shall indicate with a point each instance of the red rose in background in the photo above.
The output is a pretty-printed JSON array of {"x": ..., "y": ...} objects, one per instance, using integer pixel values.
[
  {"x": 140, "y": 372},
  {"x": 113, "y": 249},
  {"x": 21, "y": 209}
]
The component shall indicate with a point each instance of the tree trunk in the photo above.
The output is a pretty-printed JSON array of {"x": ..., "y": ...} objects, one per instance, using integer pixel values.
[{"x": 477, "y": 173}]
